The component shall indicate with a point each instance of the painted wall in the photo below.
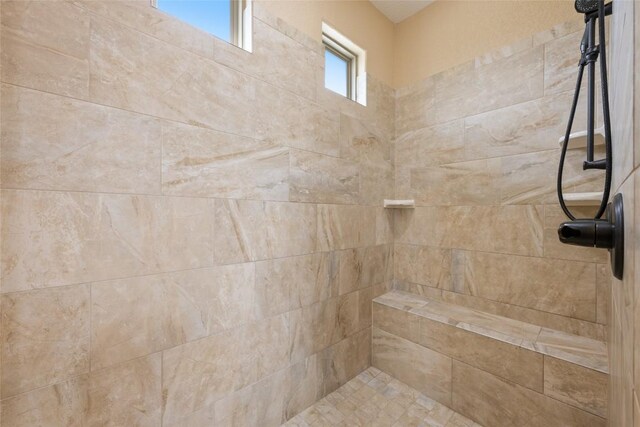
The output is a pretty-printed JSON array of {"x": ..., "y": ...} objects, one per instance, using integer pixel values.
[
  {"x": 358, "y": 20},
  {"x": 192, "y": 234},
  {"x": 449, "y": 33}
]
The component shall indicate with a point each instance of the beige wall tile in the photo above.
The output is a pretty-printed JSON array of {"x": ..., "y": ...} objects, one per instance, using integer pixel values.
[
  {"x": 424, "y": 265},
  {"x": 140, "y": 316},
  {"x": 473, "y": 228},
  {"x": 396, "y": 322},
  {"x": 62, "y": 404},
  {"x": 306, "y": 386},
  {"x": 61, "y": 238},
  {"x": 469, "y": 90},
  {"x": 201, "y": 162},
  {"x": 82, "y": 147},
  {"x": 351, "y": 270},
  {"x": 423, "y": 369},
  {"x": 342, "y": 227},
  {"x": 415, "y": 106},
  {"x": 362, "y": 142},
  {"x": 376, "y": 183},
  {"x": 561, "y": 57},
  {"x": 252, "y": 230},
  {"x": 577, "y": 386},
  {"x": 604, "y": 281},
  {"x": 430, "y": 146},
  {"x": 323, "y": 179},
  {"x": 45, "y": 338},
  {"x": 45, "y": 45},
  {"x": 563, "y": 287},
  {"x": 127, "y": 394},
  {"x": 507, "y": 361},
  {"x": 491, "y": 401},
  {"x": 346, "y": 359}
]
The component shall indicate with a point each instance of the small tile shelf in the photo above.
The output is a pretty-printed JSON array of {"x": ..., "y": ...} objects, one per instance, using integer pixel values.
[
  {"x": 579, "y": 139},
  {"x": 399, "y": 204},
  {"x": 583, "y": 199}
]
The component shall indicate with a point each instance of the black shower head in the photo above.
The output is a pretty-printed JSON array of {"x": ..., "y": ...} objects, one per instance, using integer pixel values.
[{"x": 586, "y": 6}]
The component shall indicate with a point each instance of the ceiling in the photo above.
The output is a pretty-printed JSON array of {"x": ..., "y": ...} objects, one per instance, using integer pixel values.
[{"x": 399, "y": 10}]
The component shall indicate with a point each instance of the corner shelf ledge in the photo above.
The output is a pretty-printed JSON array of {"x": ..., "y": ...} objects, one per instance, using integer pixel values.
[
  {"x": 579, "y": 139},
  {"x": 399, "y": 204},
  {"x": 583, "y": 199}
]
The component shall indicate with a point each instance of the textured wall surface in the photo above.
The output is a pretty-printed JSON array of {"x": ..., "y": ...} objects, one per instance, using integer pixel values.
[
  {"x": 477, "y": 148},
  {"x": 191, "y": 234}
]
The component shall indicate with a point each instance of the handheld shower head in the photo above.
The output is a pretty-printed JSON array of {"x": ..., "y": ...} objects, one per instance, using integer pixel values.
[{"x": 586, "y": 6}]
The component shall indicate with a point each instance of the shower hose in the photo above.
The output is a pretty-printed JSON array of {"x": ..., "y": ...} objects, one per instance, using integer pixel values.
[{"x": 606, "y": 119}]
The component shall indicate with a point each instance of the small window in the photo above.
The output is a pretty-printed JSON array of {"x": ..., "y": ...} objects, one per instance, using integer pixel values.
[
  {"x": 344, "y": 65},
  {"x": 229, "y": 20}
]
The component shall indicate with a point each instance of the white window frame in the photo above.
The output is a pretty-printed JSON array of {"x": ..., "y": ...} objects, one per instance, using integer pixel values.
[
  {"x": 354, "y": 56},
  {"x": 241, "y": 23}
]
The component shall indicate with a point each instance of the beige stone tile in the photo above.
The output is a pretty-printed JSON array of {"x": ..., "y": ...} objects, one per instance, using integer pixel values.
[
  {"x": 139, "y": 16},
  {"x": 561, "y": 57},
  {"x": 469, "y": 90},
  {"x": 201, "y": 162},
  {"x": 343, "y": 227},
  {"x": 504, "y": 52},
  {"x": 344, "y": 360},
  {"x": 577, "y": 386},
  {"x": 315, "y": 327},
  {"x": 404, "y": 301},
  {"x": 139, "y": 316},
  {"x": 351, "y": 270},
  {"x": 415, "y": 106},
  {"x": 491, "y": 402},
  {"x": 45, "y": 46},
  {"x": 604, "y": 282},
  {"x": 62, "y": 404},
  {"x": 522, "y": 128},
  {"x": 507, "y": 361},
  {"x": 430, "y": 146},
  {"x": 558, "y": 31},
  {"x": 127, "y": 394},
  {"x": 197, "y": 374},
  {"x": 306, "y": 386},
  {"x": 323, "y": 179},
  {"x": 298, "y": 123},
  {"x": 384, "y": 226},
  {"x": 248, "y": 230},
  {"x": 82, "y": 147},
  {"x": 425, "y": 370},
  {"x": 465, "y": 183},
  {"x": 362, "y": 142},
  {"x": 271, "y": 344},
  {"x": 377, "y": 266},
  {"x": 45, "y": 338},
  {"x": 563, "y": 287},
  {"x": 218, "y": 97},
  {"x": 396, "y": 322},
  {"x": 473, "y": 228},
  {"x": 424, "y": 265},
  {"x": 376, "y": 183},
  {"x": 56, "y": 238},
  {"x": 583, "y": 351}
]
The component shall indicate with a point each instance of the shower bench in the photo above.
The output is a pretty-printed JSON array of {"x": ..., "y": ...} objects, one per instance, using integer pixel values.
[{"x": 495, "y": 370}]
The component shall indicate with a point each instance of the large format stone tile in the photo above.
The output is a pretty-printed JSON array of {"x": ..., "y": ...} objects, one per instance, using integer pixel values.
[
  {"x": 427, "y": 371},
  {"x": 127, "y": 394},
  {"x": 139, "y": 316},
  {"x": 562, "y": 287},
  {"x": 561, "y": 57},
  {"x": 430, "y": 146},
  {"x": 469, "y": 90},
  {"x": 424, "y": 265},
  {"x": 190, "y": 89},
  {"x": 55, "y": 238},
  {"x": 83, "y": 147},
  {"x": 505, "y": 360},
  {"x": 197, "y": 374},
  {"x": 396, "y": 322},
  {"x": 322, "y": 179},
  {"x": 62, "y": 404},
  {"x": 248, "y": 230},
  {"x": 45, "y": 337},
  {"x": 344, "y": 226},
  {"x": 522, "y": 128},
  {"x": 416, "y": 106},
  {"x": 201, "y": 162},
  {"x": 45, "y": 46},
  {"x": 583, "y": 351},
  {"x": 577, "y": 386},
  {"x": 491, "y": 401},
  {"x": 474, "y": 228},
  {"x": 344, "y": 360},
  {"x": 461, "y": 184},
  {"x": 362, "y": 142}
]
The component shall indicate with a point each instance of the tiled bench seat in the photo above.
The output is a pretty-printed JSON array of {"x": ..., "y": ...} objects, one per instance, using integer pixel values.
[{"x": 493, "y": 369}]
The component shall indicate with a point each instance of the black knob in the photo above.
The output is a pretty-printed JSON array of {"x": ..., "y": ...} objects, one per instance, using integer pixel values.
[{"x": 592, "y": 233}]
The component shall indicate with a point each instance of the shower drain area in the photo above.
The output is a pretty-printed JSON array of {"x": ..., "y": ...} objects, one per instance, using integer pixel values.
[{"x": 373, "y": 399}]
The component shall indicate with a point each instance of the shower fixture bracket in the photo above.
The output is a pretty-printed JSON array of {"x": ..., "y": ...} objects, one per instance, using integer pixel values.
[{"x": 600, "y": 233}]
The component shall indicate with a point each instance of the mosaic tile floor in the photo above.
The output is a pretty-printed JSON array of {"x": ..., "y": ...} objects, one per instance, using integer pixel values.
[{"x": 375, "y": 399}]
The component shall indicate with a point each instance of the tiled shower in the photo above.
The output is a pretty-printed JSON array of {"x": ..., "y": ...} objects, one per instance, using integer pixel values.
[{"x": 194, "y": 235}]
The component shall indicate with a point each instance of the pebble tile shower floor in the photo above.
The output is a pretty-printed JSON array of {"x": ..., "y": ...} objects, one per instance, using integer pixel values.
[{"x": 374, "y": 399}]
